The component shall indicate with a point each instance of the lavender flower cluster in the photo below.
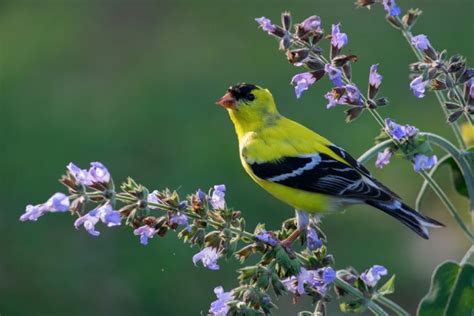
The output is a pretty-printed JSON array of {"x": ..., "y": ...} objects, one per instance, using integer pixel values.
[
  {"x": 206, "y": 221},
  {"x": 302, "y": 50}
]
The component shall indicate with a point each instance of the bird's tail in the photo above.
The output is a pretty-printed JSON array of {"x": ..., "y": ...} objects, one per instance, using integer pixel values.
[{"x": 408, "y": 216}]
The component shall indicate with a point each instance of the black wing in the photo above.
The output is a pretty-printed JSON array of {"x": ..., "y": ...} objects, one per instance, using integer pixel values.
[{"x": 319, "y": 173}]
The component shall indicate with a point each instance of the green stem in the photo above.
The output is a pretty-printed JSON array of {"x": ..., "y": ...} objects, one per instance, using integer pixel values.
[
  {"x": 397, "y": 309},
  {"x": 461, "y": 161},
  {"x": 449, "y": 205},
  {"x": 424, "y": 186},
  {"x": 376, "y": 309},
  {"x": 369, "y": 154}
]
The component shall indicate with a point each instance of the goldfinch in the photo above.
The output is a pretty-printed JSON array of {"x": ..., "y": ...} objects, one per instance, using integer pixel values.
[{"x": 302, "y": 168}]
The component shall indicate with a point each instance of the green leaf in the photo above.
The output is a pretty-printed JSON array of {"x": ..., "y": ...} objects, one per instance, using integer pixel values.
[
  {"x": 451, "y": 291},
  {"x": 388, "y": 287}
]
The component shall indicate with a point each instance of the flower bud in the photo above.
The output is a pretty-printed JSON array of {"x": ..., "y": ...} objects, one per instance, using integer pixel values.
[
  {"x": 393, "y": 21},
  {"x": 286, "y": 20},
  {"x": 410, "y": 18},
  {"x": 437, "y": 84},
  {"x": 364, "y": 3},
  {"x": 341, "y": 60}
]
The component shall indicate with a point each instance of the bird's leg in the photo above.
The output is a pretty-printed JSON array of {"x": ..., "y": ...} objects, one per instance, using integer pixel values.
[{"x": 302, "y": 221}]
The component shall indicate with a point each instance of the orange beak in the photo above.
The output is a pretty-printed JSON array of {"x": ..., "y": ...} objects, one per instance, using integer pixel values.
[{"x": 227, "y": 101}]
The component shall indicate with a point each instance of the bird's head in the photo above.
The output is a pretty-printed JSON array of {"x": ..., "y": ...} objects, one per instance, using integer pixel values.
[{"x": 249, "y": 106}]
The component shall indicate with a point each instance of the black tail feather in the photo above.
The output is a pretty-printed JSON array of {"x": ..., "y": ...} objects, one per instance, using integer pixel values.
[{"x": 408, "y": 216}]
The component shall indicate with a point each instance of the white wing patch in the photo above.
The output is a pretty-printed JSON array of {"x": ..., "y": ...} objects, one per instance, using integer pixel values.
[{"x": 315, "y": 160}]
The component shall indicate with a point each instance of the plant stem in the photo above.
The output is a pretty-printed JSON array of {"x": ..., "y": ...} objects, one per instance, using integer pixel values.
[
  {"x": 449, "y": 205},
  {"x": 376, "y": 309},
  {"x": 369, "y": 154},
  {"x": 424, "y": 186},
  {"x": 461, "y": 161},
  {"x": 390, "y": 304}
]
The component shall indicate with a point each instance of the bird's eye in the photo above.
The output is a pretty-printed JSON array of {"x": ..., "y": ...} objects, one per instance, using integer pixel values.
[{"x": 250, "y": 97}]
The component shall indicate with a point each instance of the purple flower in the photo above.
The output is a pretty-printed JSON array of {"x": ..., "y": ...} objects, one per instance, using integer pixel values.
[
  {"x": 410, "y": 131},
  {"x": 152, "y": 198},
  {"x": 218, "y": 197},
  {"x": 98, "y": 173},
  {"x": 338, "y": 39},
  {"x": 219, "y": 307},
  {"x": 313, "y": 241},
  {"x": 266, "y": 24},
  {"x": 145, "y": 232},
  {"x": 375, "y": 79},
  {"x": 373, "y": 275},
  {"x": 395, "y": 130},
  {"x": 334, "y": 99},
  {"x": 267, "y": 238},
  {"x": 108, "y": 216},
  {"x": 81, "y": 175},
  {"x": 422, "y": 162},
  {"x": 312, "y": 23},
  {"x": 383, "y": 158},
  {"x": 317, "y": 279},
  {"x": 32, "y": 213},
  {"x": 334, "y": 74},
  {"x": 418, "y": 86},
  {"x": 329, "y": 275},
  {"x": 421, "y": 42},
  {"x": 89, "y": 221},
  {"x": 59, "y": 202},
  {"x": 302, "y": 82},
  {"x": 180, "y": 219},
  {"x": 201, "y": 196},
  {"x": 353, "y": 95},
  {"x": 208, "y": 256},
  {"x": 391, "y": 7}
]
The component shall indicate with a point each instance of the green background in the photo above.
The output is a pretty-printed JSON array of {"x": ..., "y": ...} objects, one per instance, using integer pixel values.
[{"x": 133, "y": 84}]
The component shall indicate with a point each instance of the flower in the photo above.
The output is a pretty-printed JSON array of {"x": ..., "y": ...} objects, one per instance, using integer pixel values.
[
  {"x": 201, "y": 195},
  {"x": 152, "y": 198},
  {"x": 266, "y": 24},
  {"x": 398, "y": 131},
  {"x": 267, "y": 238},
  {"x": 81, "y": 175},
  {"x": 338, "y": 39},
  {"x": 145, "y": 232},
  {"x": 353, "y": 95},
  {"x": 89, "y": 221},
  {"x": 375, "y": 79},
  {"x": 383, "y": 158},
  {"x": 334, "y": 74},
  {"x": 180, "y": 219},
  {"x": 59, "y": 202},
  {"x": 422, "y": 162},
  {"x": 313, "y": 241},
  {"x": 418, "y": 86},
  {"x": 302, "y": 82},
  {"x": 391, "y": 7},
  {"x": 373, "y": 275},
  {"x": 99, "y": 173},
  {"x": 108, "y": 216},
  {"x": 421, "y": 42},
  {"x": 318, "y": 279},
  {"x": 32, "y": 213},
  {"x": 334, "y": 98},
  {"x": 218, "y": 197},
  {"x": 312, "y": 23},
  {"x": 219, "y": 307},
  {"x": 208, "y": 256},
  {"x": 329, "y": 275}
]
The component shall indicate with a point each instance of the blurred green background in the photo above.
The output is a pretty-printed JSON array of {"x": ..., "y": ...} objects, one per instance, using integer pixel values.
[{"x": 133, "y": 84}]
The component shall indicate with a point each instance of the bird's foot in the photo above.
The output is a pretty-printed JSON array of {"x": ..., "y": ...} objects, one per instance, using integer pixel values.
[{"x": 289, "y": 240}]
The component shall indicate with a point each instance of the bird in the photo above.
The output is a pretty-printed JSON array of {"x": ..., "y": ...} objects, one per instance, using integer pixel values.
[{"x": 302, "y": 168}]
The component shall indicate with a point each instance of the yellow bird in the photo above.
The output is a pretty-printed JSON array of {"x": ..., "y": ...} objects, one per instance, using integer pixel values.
[{"x": 302, "y": 168}]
